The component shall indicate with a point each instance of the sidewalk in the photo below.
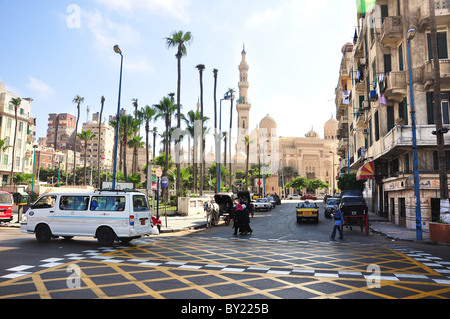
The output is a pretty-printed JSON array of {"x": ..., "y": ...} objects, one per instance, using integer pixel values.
[{"x": 382, "y": 226}]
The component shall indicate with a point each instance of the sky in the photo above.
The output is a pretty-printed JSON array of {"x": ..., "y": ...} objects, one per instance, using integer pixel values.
[{"x": 52, "y": 51}]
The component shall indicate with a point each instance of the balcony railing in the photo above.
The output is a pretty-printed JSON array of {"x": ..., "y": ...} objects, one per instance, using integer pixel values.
[
  {"x": 392, "y": 31},
  {"x": 426, "y": 73},
  {"x": 396, "y": 86},
  {"x": 442, "y": 9}
]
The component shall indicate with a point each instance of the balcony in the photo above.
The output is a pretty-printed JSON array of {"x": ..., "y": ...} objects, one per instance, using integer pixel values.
[
  {"x": 343, "y": 144},
  {"x": 392, "y": 31},
  {"x": 426, "y": 76},
  {"x": 402, "y": 136},
  {"x": 442, "y": 9},
  {"x": 396, "y": 86}
]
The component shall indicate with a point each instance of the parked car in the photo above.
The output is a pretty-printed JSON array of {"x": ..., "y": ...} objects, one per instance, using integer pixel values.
[
  {"x": 256, "y": 195},
  {"x": 307, "y": 210},
  {"x": 294, "y": 196},
  {"x": 262, "y": 203},
  {"x": 329, "y": 204},
  {"x": 277, "y": 198},
  {"x": 272, "y": 201},
  {"x": 6, "y": 206},
  {"x": 308, "y": 196}
]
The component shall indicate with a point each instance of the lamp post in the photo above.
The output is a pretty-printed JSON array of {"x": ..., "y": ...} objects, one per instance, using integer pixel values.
[
  {"x": 409, "y": 37},
  {"x": 225, "y": 97},
  {"x": 334, "y": 173},
  {"x": 116, "y": 140}
]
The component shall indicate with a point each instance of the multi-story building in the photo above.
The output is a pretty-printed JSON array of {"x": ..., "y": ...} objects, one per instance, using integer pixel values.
[
  {"x": 106, "y": 144},
  {"x": 22, "y": 160},
  {"x": 374, "y": 107},
  {"x": 61, "y": 131}
]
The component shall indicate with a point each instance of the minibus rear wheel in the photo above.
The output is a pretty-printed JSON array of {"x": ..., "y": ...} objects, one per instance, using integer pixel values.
[
  {"x": 105, "y": 236},
  {"x": 43, "y": 233}
]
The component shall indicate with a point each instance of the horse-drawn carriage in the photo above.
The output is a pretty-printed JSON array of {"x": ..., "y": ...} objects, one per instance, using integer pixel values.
[
  {"x": 355, "y": 210},
  {"x": 221, "y": 207}
]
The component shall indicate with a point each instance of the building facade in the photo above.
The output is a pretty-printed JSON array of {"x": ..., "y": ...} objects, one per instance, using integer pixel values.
[
  {"x": 61, "y": 131},
  {"x": 374, "y": 106},
  {"x": 25, "y": 135},
  {"x": 105, "y": 145}
]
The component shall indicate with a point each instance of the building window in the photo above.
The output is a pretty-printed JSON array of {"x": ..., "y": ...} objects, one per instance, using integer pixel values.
[
  {"x": 400, "y": 57},
  {"x": 436, "y": 160},
  {"x": 377, "y": 127},
  {"x": 5, "y": 159},
  {"x": 444, "y": 108},
  {"x": 403, "y": 110},
  {"x": 441, "y": 43}
]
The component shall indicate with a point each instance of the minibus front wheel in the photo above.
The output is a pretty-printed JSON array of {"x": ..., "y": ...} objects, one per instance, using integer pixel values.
[
  {"x": 106, "y": 236},
  {"x": 43, "y": 233}
]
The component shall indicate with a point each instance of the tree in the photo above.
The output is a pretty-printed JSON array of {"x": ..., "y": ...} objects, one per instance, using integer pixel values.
[
  {"x": 201, "y": 68},
  {"x": 146, "y": 114},
  {"x": 216, "y": 137},
  {"x": 86, "y": 136},
  {"x": 297, "y": 183},
  {"x": 102, "y": 100},
  {"x": 135, "y": 142},
  {"x": 192, "y": 118},
  {"x": 349, "y": 182},
  {"x": 317, "y": 184},
  {"x": 179, "y": 40},
  {"x": 16, "y": 103},
  {"x": 128, "y": 125},
  {"x": 78, "y": 100},
  {"x": 443, "y": 179},
  {"x": 164, "y": 110}
]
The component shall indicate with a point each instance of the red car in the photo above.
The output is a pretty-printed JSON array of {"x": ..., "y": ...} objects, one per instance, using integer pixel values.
[
  {"x": 308, "y": 196},
  {"x": 6, "y": 206}
]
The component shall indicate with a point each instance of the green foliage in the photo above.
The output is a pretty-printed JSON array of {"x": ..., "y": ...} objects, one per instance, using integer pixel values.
[{"x": 349, "y": 182}]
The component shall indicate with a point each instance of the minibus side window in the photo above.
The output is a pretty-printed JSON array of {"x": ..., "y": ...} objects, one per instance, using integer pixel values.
[
  {"x": 140, "y": 203},
  {"x": 108, "y": 203},
  {"x": 78, "y": 203},
  {"x": 45, "y": 202}
]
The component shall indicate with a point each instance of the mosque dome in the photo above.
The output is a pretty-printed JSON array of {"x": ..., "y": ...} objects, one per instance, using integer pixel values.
[
  {"x": 268, "y": 123},
  {"x": 312, "y": 134},
  {"x": 330, "y": 128}
]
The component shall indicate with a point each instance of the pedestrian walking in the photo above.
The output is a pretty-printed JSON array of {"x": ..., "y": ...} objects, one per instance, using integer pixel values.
[
  {"x": 237, "y": 217},
  {"x": 338, "y": 223},
  {"x": 245, "y": 222}
]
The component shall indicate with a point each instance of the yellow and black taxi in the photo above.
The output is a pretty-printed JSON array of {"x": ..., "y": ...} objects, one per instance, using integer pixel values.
[{"x": 307, "y": 210}]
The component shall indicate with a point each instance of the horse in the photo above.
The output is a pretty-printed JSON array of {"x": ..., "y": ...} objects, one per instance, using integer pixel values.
[{"x": 212, "y": 214}]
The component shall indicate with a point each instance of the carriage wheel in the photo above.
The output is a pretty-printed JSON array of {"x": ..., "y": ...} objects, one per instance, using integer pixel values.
[{"x": 227, "y": 220}]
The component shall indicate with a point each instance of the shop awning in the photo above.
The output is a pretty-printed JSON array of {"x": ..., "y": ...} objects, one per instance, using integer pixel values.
[{"x": 366, "y": 171}]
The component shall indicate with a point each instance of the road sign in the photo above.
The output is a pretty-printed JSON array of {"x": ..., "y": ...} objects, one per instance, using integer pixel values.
[
  {"x": 164, "y": 182},
  {"x": 158, "y": 172}
]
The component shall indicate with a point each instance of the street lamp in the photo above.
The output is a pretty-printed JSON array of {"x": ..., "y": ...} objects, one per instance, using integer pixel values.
[
  {"x": 116, "y": 141},
  {"x": 334, "y": 174},
  {"x": 411, "y": 34},
  {"x": 227, "y": 96}
]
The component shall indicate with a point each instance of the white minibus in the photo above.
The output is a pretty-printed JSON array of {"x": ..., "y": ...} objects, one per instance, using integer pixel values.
[{"x": 105, "y": 215}]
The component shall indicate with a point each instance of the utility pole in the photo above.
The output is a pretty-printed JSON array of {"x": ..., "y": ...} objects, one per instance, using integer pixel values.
[{"x": 438, "y": 113}]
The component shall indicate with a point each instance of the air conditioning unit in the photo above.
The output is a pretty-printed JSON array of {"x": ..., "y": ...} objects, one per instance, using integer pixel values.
[
  {"x": 366, "y": 105},
  {"x": 362, "y": 61}
]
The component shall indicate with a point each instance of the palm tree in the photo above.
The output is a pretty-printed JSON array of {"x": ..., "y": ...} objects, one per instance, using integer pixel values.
[
  {"x": 164, "y": 109},
  {"x": 16, "y": 103},
  {"x": 179, "y": 40},
  {"x": 192, "y": 118},
  {"x": 78, "y": 100},
  {"x": 99, "y": 139},
  {"x": 128, "y": 125},
  {"x": 135, "y": 142},
  {"x": 437, "y": 104},
  {"x": 147, "y": 114},
  {"x": 86, "y": 136},
  {"x": 201, "y": 68},
  {"x": 155, "y": 132},
  {"x": 216, "y": 138}
]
